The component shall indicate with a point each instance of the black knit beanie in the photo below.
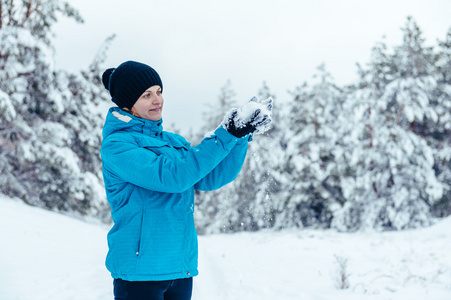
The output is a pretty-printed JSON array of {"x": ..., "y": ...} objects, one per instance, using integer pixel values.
[{"x": 129, "y": 81}]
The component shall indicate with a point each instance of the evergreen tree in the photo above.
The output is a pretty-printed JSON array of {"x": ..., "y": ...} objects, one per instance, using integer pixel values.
[
  {"x": 390, "y": 183},
  {"x": 410, "y": 95},
  {"x": 264, "y": 163},
  {"x": 440, "y": 131},
  {"x": 252, "y": 194},
  {"x": 50, "y": 132},
  {"x": 312, "y": 187},
  {"x": 210, "y": 204},
  {"x": 246, "y": 203}
]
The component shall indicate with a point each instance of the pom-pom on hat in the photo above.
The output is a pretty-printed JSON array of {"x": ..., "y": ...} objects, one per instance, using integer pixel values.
[{"x": 129, "y": 81}]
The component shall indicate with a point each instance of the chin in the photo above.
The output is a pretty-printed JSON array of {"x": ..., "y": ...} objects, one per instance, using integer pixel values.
[{"x": 154, "y": 118}]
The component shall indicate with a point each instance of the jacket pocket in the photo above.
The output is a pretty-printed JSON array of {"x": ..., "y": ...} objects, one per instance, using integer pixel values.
[
  {"x": 161, "y": 245},
  {"x": 140, "y": 239}
]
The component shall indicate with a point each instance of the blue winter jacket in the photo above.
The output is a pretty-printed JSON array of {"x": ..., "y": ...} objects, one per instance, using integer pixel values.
[{"x": 150, "y": 176}]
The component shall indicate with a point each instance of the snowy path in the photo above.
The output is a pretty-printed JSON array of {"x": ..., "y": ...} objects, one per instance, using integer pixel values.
[{"x": 44, "y": 255}]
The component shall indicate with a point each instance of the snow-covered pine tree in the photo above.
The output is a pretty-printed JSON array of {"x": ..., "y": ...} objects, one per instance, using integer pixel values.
[
  {"x": 391, "y": 183},
  {"x": 312, "y": 186},
  {"x": 210, "y": 204},
  {"x": 263, "y": 165},
  {"x": 246, "y": 203},
  {"x": 411, "y": 93},
  {"x": 252, "y": 194},
  {"x": 50, "y": 129},
  {"x": 439, "y": 134},
  {"x": 357, "y": 121}
]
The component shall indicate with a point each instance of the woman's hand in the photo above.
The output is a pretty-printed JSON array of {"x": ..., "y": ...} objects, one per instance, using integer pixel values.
[{"x": 254, "y": 117}]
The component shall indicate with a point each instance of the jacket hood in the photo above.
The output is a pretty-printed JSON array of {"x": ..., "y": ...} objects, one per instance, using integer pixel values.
[{"x": 119, "y": 120}]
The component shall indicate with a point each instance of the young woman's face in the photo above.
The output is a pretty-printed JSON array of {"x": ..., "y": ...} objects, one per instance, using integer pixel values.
[{"x": 150, "y": 105}]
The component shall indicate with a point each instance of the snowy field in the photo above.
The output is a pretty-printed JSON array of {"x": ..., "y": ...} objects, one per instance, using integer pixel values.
[{"x": 44, "y": 255}]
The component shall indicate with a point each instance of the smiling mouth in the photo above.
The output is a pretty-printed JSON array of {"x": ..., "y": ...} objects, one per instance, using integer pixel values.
[{"x": 155, "y": 109}]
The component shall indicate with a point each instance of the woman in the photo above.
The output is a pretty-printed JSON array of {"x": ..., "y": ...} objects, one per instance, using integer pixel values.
[{"x": 150, "y": 177}]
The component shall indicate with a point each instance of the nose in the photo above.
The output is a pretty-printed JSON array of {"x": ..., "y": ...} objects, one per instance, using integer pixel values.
[{"x": 157, "y": 100}]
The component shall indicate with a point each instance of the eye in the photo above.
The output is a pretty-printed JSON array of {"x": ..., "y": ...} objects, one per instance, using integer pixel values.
[
  {"x": 159, "y": 92},
  {"x": 146, "y": 95}
]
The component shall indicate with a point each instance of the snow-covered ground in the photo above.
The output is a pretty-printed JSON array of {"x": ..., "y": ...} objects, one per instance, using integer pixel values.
[{"x": 45, "y": 255}]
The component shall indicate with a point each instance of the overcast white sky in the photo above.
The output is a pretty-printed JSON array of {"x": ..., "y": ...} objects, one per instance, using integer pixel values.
[{"x": 196, "y": 46}]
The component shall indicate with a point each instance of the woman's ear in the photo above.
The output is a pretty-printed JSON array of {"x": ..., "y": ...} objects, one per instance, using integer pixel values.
[{"x": 134, "y": 112}]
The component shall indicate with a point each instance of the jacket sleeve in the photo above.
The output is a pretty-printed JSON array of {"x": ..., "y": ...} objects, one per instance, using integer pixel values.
[
  {"x": 144, "y": 168},
  {"x": 227, "y": 170}
]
